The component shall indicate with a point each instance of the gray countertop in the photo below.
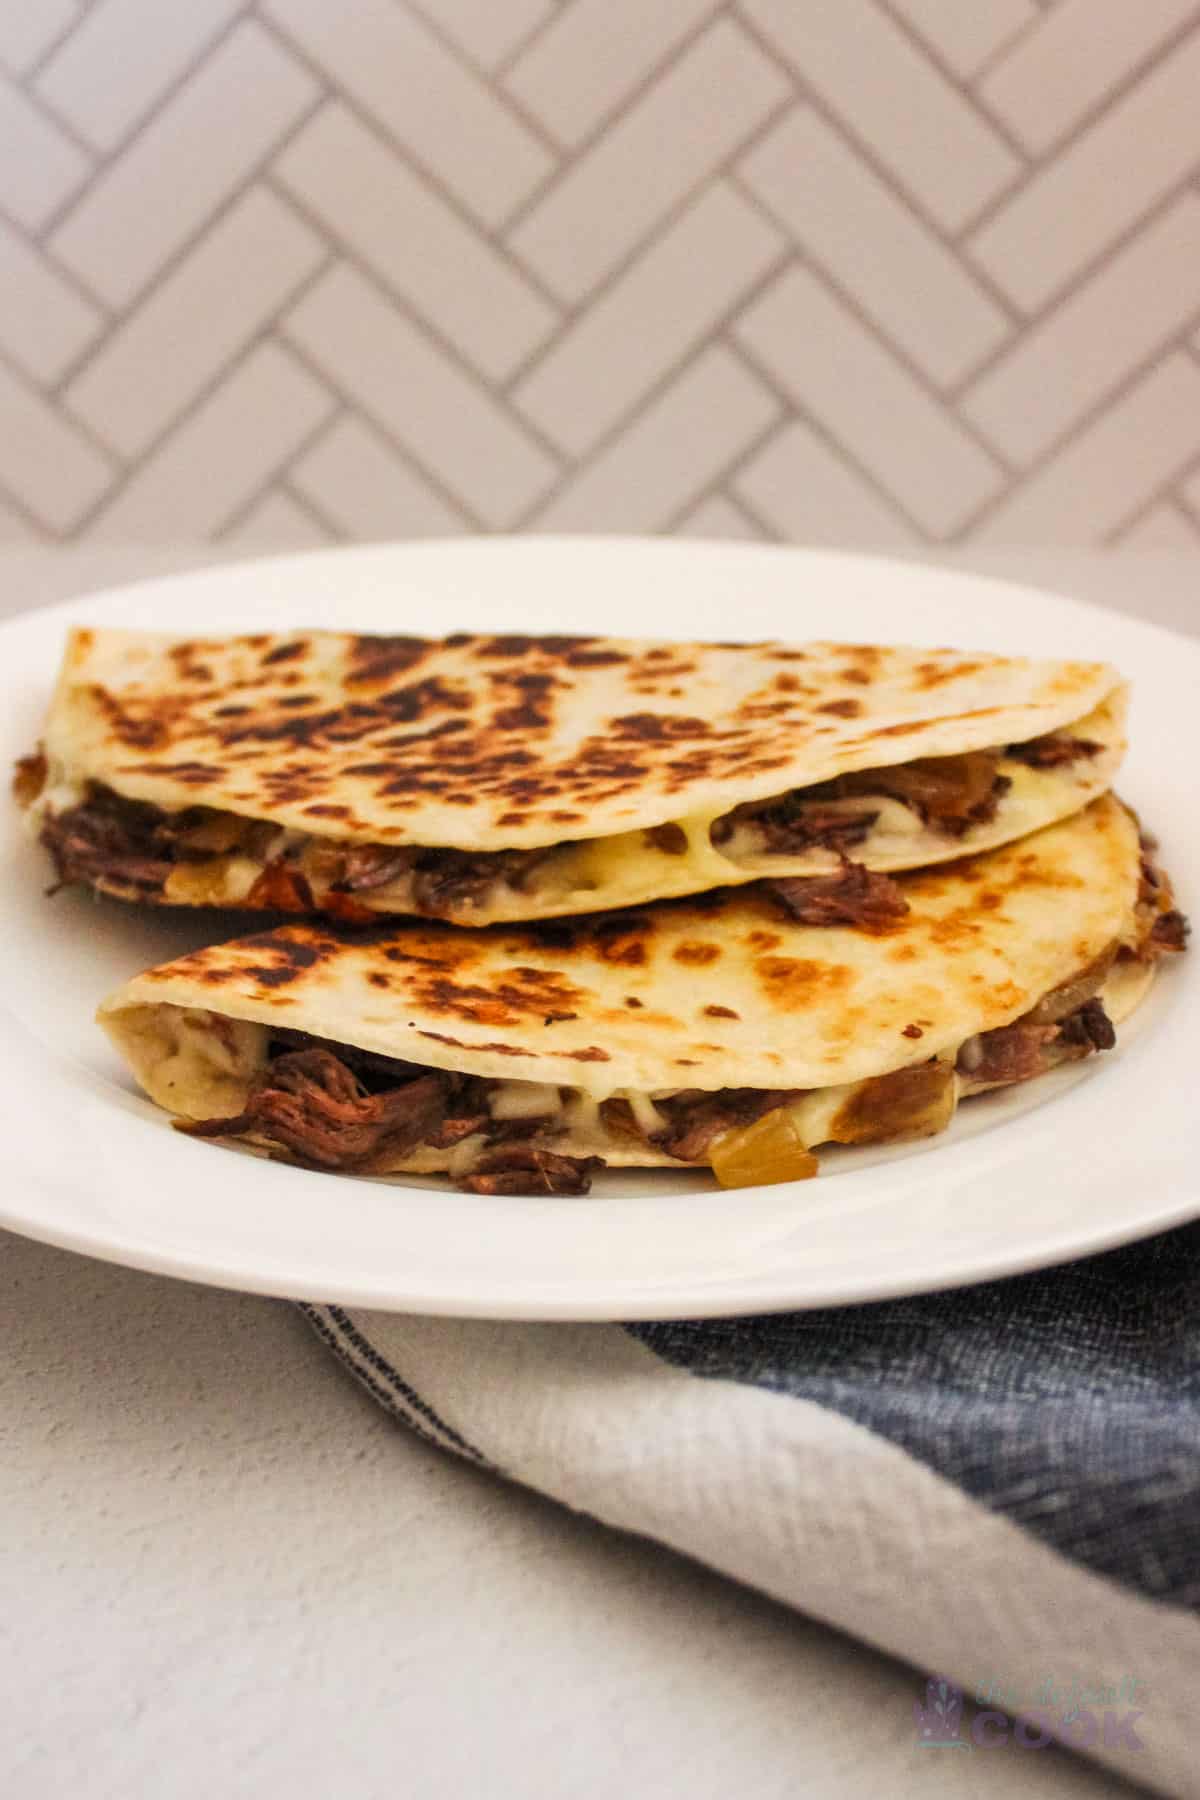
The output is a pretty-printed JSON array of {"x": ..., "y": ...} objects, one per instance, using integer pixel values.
[{"x": 225, "y": 1572}]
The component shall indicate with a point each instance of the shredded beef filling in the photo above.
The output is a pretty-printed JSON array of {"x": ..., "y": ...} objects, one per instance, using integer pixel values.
[
  {"x": 1054, "y": 751},
  {"x": 132, "y": 846},
  {"x": 1025, "y": 1049},
  {"x": 856, "y": 895},
  {"x": 111, "y": 839},
  {"x": 949, "y": 793},
  {"x": 338, "y": 1107},
  {"x": 524, "y": 1169},
  {"x": 1163, "y": 929},
  {"x": 313, "y": 1105},
  {"x": 793, "y": 824},
  {"x": 694, "y": 1118}
]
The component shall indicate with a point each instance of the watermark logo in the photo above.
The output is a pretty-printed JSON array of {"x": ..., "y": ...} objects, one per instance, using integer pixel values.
[
  {"x": 1082, "y": 1716},
  {"x": 939, "y": 1720}
]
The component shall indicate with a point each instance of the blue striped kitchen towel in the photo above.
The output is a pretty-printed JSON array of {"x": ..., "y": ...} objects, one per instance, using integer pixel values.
[{"x": 1000, "y": 1485}]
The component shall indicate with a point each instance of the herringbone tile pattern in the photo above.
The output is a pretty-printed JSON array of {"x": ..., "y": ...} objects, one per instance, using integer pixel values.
[{"x": 857, "y": 271}]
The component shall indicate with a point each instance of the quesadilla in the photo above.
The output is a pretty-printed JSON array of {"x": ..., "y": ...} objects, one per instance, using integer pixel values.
[
  {"x": 482, "y": 779},
  {"x": 718, "y": 1032}
]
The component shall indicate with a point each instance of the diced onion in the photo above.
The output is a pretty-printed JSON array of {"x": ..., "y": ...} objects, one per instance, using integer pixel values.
[{"x": 770, "y": 1150}]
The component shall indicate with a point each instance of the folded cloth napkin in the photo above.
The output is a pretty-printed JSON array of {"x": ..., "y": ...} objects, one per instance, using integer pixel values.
[{"x": 1000, "y": 1485}]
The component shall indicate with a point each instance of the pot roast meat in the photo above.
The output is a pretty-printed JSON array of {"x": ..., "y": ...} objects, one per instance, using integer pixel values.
[
  {"x": 789, "y": 826},
  {"x": 696, "y": 1121},
  {"x": 309, "y": 1102},
  {"x": 1015, "y": 1052},
  {"x": 111, "y": 839},
  {"x": 366, "y": 866},
  {"x": 1053, "y": 751},
  {"x": 525, "y": 1169},
  {"x": 1088, "y": 1029},
  {"x": 856, "y": 895},
  {"x": 1067, "y": 999},
  {"x": 1163, "y": 929},
  {"x": 1025, "y": 1049},
  {"x": 1170, "y": 931},
  {"x": 951, "y": 793},
  {"x": 444, "y": 879}
]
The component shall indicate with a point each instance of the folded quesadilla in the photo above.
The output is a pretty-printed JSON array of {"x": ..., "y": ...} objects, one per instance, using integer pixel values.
[
  {"x": 483, "y": 779},
  {"x": 720, "y": 1032}
]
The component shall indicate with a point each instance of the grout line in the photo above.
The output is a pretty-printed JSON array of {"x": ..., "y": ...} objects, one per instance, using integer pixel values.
[
  {"x": 944, "y": 396},
  {"x": 572, "y": 311},
  {"x": 1087, "y": 270},
  {"x": 901, "y": 357},
  {"x": 716, "y": 328},
  {"x": 68, "y": 423},
  {"x": 163, "y": 100},
  {"x": 217, "y": 379},
  {"x": 1054, "y": 152},
  {"x": 500, "y": 71},
  {"x": 381, "y": 126},
  {"x": 279, "y": 481},
  {"x": 50, "y": 51},
  {"x": 1165, "y": 498},
  {"x": 582, "y": 464},
  {"x": 1081, "y": 426},
  {"x": 1165, "y": 494},
  {"x": 579, "y": 465},
  {"x": 183, "y": 417},
  {"x": 367, "y": 416},
  {"x": 1101, "y": 402},
  {"x": 399, "y": 303},
  {"x": 278, "y": 469},
  {"x": 58, "y": 122},
  {"x": 478, "y": 73},
  {"x": 312, "y": 509},
  {"x": 844, "y": 454},
  {"x": 573, "y": 154},
  {"x": 182, "y": 251},
  {"x": 711, "y": 492},
  {"x": 1129, "y": 78},
  {"x": 401, "y": 454},
  {"x": 721, "y": 484},
  {"x": 912, "y": 203},
  {"x": 28, "y": 236},
  {"x": 1190, "y": 508},
  {"x": 44, "y": 533},
  {"x": 378, "y": 128},
  {"x": 171, "y": 267},
  {"x": 341, "y": 250},
  {"x": 972, "y": 82},
  {"x": 933, "y": 56}
]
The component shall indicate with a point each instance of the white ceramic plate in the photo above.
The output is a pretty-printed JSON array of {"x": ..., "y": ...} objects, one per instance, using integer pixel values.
[{"x": 1099, "y": 1154}]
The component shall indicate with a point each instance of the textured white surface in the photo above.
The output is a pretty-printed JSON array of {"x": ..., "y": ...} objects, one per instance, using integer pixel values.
[{"x": 226, "y": 1572}]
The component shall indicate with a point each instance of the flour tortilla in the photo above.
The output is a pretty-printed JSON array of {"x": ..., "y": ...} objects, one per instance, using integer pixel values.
[
  {"x": 500, "y": 744},
  {"x": 724, "y": 993}
]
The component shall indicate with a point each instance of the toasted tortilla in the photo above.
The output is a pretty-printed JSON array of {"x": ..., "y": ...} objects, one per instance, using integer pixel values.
[
  {"x": 622, "y": 771},
  {"x": 715, "y": 995}
]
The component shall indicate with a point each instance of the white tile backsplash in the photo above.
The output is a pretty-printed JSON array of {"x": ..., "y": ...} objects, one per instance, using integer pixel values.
[{"x": 862, "y": 271}]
